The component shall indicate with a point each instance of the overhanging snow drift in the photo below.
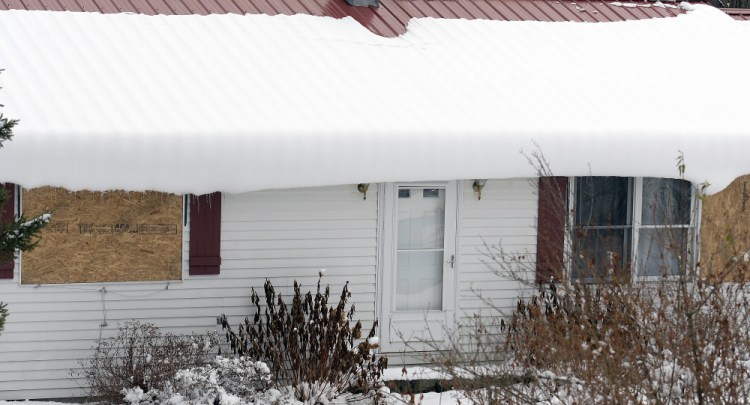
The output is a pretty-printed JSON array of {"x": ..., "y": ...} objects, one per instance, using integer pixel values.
[{"x": 239, "y": 103}]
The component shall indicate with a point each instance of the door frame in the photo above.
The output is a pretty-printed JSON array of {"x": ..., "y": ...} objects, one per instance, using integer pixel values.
[{"x": 387, "y": 231}]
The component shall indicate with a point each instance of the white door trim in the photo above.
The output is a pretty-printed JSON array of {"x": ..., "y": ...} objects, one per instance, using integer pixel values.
[{"x": 420, "y": 324}]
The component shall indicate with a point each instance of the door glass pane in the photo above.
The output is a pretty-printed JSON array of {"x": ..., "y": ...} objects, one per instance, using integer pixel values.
[
  {"x": 662, "y": 251},
  {"x": 665, "y": 202},
  {"x": 420, "y": 242},
  {"x": 419, "y": 283},
  {"x": 421, "y": 221}
]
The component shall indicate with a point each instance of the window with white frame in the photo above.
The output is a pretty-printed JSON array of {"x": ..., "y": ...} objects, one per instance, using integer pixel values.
[{"x": 639, "y": 227}]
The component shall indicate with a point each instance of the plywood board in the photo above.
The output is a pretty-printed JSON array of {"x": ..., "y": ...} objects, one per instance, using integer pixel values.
[
  {"x": 725, "y": 233},
  {"x": 101, "y": 237}
]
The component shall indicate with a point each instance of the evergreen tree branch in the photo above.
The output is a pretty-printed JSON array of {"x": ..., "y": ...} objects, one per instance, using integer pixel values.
[
  {"x": 18, "y": 234},
  {"x": 6, "y": 129},
  {"x": 21, "y": 234},
  {"x": 3, "y": 315}
]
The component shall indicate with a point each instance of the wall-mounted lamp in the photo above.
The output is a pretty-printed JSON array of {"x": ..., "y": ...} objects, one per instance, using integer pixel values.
[
  {"x": 362, "y": 188},
  {"x": 478, "y": 186}
]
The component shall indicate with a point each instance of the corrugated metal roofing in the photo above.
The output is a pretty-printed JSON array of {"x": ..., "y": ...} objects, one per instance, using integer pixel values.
[
  {"x": 738, "y": 13},
  {"x": 389, "y": 19}
]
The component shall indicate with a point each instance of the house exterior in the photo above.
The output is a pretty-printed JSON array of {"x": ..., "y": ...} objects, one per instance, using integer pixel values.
[{"x": 287, "y": 157}]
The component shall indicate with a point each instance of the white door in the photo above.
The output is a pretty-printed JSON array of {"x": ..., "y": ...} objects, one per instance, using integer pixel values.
[{"x": 419, "y": 264}]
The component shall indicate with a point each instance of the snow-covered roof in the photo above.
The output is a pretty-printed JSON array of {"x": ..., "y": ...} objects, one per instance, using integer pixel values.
[{"x": 237, "y": 103}]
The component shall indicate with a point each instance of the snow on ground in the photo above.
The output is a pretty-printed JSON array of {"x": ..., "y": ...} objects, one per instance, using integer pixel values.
[
  {"x": 429, "y": 398},
  {"x": 412, "y": 373},
  {"x": 389, "y": 374},
  {"x": 35, "y": 403},
  {"x": 442, "y": 398},
  {"x": 238, "y": 103}
]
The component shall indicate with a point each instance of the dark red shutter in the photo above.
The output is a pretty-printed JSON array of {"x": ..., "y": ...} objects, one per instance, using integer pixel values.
[
  {"x": 550, "y": 239},
  {"x": 8, "y": 215},
  {"x": 205, "y": 234}
]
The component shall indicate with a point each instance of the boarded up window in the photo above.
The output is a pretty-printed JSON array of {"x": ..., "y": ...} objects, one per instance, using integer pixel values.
[
  {"x": 725, "y": 233},
  {"x": 98, "y": 237}
]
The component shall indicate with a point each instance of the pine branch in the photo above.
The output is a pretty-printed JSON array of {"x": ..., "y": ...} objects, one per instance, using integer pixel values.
[
  {"x": 3, "y": 199},
  {"x": 6, "y": 129},
  {"x": 3, "y": 315},
  {"x": 21, "y": 234},
  {"x": 6, "y": 126},
  {"x": 6, "y": 132}
]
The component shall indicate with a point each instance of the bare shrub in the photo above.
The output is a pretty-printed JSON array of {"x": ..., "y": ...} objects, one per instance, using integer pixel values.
[
  {"x": 140, "y": 355},
  {"x": 611, "y": 342},
  {"x": 309, "y": 346},
  {"x": 595, "y": 333},
  {"x": 633, "y": 343}
]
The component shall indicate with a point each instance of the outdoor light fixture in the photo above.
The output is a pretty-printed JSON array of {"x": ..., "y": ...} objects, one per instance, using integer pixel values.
[
  {"x": 362, "y": 188},
  {"x": 478, "y": 186}
]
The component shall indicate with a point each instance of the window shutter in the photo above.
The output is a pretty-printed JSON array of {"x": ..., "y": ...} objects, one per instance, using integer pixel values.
[
  {"x": 8, "y": 215},
  {"x": 205, "y": 234},
  {"x": 550, "y": 242}
]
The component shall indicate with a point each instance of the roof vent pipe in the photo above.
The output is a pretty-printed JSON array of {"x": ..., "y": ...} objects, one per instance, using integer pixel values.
[{"x": 364, "y": 3}]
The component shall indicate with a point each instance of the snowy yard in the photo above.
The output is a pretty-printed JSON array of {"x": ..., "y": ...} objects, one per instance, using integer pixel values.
[
  {"x": 390, "y": 374},
  {"x": 430, "y": 398}
]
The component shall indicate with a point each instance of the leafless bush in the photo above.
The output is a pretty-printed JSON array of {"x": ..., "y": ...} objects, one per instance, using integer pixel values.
[
  {"x": 633, "y": 343},
  {"x": 141, "y": 356},
  {"x": 595, "y": 333},
  {"x": 309, "y": 346}
]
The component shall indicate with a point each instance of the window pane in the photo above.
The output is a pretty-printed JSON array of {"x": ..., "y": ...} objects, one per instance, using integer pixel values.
[
  {"x": 662, "y": 251},
  {"x": 602, "y": 201},
  {"x": 665, "y": 201},
  {"x": 419, "y": 282},
  {"x": 421, "y": 221},
  {"x": 600, "y": 251},
  {"x": 420, "y": 249}
]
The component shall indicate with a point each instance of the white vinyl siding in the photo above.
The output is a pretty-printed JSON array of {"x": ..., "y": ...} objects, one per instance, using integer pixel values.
[
  {"x": 279, "y": 234},
  {"x": 287, "y": 235},
  {"x": 506, "y": 216},
  {"x": 282, "y": 235}
]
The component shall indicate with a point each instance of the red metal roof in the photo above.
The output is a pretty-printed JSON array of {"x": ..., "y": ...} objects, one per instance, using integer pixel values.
[
  {"x": 389, "y": 19},
  {"x": 738, "y": 13}
]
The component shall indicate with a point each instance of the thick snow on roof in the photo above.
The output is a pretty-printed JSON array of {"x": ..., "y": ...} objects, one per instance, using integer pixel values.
[{"x": 238, "y": 103}]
